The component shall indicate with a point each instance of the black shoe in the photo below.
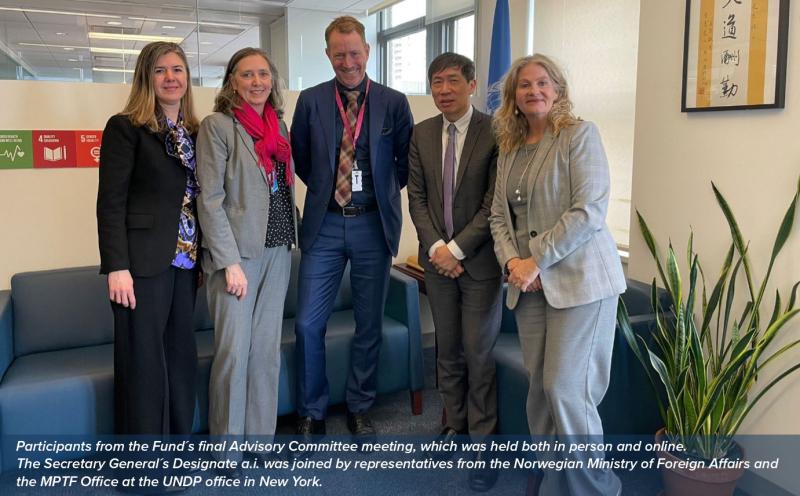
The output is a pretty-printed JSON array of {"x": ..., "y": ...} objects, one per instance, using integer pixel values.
[
  {"x": 482, "y": 479},
  {"x": 360, "y": 424},
  {"x": 447, "y": 436},
  {"x": 307, "y": 427}
]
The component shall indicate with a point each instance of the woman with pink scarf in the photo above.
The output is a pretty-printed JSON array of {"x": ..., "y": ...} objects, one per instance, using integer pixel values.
[{"x": 247, "y": 212}]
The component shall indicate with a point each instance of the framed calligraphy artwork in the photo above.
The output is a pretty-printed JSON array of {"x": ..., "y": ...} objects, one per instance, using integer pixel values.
[{"x": 734, "y": 54}]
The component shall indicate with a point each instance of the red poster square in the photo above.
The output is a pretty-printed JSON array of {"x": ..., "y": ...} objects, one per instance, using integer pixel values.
[
  {"x": 53, "y": 149},
  {"x": 87, "y": 144}
]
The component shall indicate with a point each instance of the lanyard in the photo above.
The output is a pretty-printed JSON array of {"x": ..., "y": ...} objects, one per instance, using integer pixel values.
[{"x": 353, "y": 135}]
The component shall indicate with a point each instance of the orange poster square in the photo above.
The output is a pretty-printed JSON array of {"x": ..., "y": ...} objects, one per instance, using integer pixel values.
[{"x": 87, "y": 145}]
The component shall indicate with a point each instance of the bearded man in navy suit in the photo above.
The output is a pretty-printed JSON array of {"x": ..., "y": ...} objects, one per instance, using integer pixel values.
[{"x": 350, "y": 139}]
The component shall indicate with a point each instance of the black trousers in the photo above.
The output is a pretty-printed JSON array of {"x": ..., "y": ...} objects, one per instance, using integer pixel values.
[{"x": 155, "y": 356}]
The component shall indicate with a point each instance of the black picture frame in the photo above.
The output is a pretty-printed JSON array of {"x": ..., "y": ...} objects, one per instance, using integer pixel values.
[{"x": 723, "y": 48}]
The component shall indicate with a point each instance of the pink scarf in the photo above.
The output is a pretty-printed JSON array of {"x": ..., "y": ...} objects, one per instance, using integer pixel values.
[{"x": 266, "y": 132}]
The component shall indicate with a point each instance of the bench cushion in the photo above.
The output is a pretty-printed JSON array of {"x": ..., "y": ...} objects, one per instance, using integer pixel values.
[
  {"x": 39, "y": 388},
  {"x": 60, "y": 309}
]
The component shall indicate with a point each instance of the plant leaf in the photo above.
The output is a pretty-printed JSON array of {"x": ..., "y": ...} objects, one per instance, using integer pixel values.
[
  {"x": 729, "y": 300},
  {"x": 764, "y": 391},
  {"x": 736, "y": 234},
  {"x": 668, "y": 383},
  {"x": 649, "y": 240},
  {"x": 793, "y": 297},
  {"x": 674, "y": 275},
  {"x": 776, "y": 309},
  {"x": 630, "y": 337}
]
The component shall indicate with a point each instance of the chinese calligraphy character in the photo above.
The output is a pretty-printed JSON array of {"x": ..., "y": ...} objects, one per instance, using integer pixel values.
[
  {"x": 728, "y": 89},
  {"x": 729, "y": 27},
  {"x": 737, "y": 2},
  {"x": 730, "y": 57}
]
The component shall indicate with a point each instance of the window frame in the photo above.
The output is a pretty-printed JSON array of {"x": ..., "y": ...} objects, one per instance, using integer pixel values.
[{"x": 439, "y": 38}]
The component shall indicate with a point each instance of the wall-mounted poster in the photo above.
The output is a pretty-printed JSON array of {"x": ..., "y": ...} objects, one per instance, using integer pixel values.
[
  {"x": 53, "y": 149},
  {"x": 734, "y": 54},
  {"x": 16, "y": 150},
  {"x": 88, "y": 148}
]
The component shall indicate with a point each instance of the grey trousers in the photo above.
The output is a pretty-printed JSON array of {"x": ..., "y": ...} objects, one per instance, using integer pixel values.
[
  {"x": 567, "y": 353},
  {"x": 243, "y": 390},
  {"x": 466, "y": 314}
]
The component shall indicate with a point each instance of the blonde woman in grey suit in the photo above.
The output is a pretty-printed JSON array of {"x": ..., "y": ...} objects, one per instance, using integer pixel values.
[
  {"x": 564, "y": 273},
  {"x": 247, "y": 207}
]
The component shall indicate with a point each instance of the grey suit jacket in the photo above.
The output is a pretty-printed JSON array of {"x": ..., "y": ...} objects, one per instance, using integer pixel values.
[
  {"x": 233, "y": 205},
  {"x": 472, "y": 196},
  {"x": 568, "y": 189}
]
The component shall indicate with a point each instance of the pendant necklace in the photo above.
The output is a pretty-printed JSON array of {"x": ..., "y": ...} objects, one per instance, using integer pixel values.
[{"x": 517, "y": 191}]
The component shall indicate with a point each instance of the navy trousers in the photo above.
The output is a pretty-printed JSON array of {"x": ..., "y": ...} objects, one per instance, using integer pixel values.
[{"x": 361, "y": 242}]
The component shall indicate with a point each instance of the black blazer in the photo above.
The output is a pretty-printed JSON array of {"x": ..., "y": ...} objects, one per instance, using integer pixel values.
[{"x": 139, "y": 199}]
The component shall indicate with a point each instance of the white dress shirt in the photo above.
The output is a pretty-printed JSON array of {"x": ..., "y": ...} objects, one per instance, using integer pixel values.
[{"x": 462, "y": 125}]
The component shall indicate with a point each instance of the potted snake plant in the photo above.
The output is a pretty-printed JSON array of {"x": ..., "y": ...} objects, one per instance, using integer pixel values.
[{"x": 710, "y": 353}]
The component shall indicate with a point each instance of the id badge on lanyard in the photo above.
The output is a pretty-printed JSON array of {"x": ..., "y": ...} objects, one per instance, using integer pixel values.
[
  {"x": 357, "y": 179},
  {"x": 272, "y": 180},
  {"x": 356, "y": 175}
]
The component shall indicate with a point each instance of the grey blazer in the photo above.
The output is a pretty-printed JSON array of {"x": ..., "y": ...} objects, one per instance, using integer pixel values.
[
  {"x": 568, "y": 188},
  {"x": 233, "y": 205},
  {"x": 472, "y": 196}
]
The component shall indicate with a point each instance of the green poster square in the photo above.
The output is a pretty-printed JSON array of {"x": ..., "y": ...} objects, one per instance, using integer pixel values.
[{"x": 16, "y": 150}]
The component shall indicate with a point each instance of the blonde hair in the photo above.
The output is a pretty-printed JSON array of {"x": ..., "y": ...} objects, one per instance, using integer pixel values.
[
  {"x": 510, "y": 125},
  {"x": 345, "y": 25},
  {"x": 227, "y": 99},
  {"x": 142, "y": 107}
]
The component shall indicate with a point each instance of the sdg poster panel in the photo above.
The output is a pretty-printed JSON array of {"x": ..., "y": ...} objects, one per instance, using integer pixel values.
[
  {"x": 49, "y": 149},
  {"x": 16, "y": 150},
  {"x": 53, "y": 149},
  {"x": 88, "y": 148}
]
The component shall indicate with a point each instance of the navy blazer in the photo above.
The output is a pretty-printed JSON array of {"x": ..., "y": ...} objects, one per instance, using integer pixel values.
[{"x": 314, "y": 144}]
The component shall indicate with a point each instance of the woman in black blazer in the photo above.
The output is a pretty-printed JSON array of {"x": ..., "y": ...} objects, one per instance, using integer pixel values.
[{"x": 148, "y": 245}]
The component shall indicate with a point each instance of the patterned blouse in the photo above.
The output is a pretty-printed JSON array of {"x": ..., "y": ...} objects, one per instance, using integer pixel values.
[
  {"x": 280, "y": 224},
  {"x": 180, "y": 145}
]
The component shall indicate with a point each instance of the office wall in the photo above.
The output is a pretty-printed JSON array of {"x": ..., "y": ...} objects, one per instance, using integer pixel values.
[
  {"x": 279, "y": 48},
  {"x": 308, "y": 64},
  {"x": 47, "y": 216},
  {"x": 754, "y": 159},
  {"x": 596, "y": 43}
]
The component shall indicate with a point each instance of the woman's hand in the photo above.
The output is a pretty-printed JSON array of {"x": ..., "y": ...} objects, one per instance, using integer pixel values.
[
  {"x": 120, "y": 288},
  {"x": 524, "y": 274},
  {"x": 235, "y": 281}
]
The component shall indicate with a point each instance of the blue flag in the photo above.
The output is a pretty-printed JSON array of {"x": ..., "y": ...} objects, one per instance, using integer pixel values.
[{"x": 500, "y": 57}]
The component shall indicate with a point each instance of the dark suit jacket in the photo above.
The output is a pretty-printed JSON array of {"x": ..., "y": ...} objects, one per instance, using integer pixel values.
[
  {"x": 139, "y": 200},
  {"x": 472, "y": 197},
  {"x": 314, "y": 143}
]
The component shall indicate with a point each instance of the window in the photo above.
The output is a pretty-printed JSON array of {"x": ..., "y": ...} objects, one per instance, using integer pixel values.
[
  {"x": 59, "y": 41},
  {"x": 407, "y": 71},
  {"x": 464, "y": 41},
  {"x": 403, "y": 12},
  {"x": 409, "y": 41}
]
